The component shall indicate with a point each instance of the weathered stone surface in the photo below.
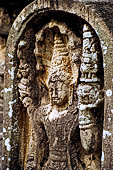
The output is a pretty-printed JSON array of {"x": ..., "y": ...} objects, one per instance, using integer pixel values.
[
  {"x": 47, "y": 54},
  {"x": 2, "y": 65},
  {"x": 5, "y": 22},
  {"x": 56, "y": 76},
  {"x": 8, "y": 11}
]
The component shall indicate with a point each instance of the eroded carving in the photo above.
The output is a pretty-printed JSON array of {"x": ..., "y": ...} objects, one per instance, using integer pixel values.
[
  {"x": 90, "y": 95},
  {"x": 90, "y": 99},
  {"x": 58, "y": 134}
]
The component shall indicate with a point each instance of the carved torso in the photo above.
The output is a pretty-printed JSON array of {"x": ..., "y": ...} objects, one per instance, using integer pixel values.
[{"x": 59, "y": 126}]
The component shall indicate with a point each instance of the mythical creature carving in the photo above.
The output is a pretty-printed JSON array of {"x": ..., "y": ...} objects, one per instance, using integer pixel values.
[{"x": 57, "y": 123}]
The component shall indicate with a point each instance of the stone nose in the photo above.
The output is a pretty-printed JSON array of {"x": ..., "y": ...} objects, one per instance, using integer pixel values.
[{"x": 54, "y": 94}]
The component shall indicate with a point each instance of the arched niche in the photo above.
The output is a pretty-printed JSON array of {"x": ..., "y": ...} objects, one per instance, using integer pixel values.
[{"x": 34, "y": 21}]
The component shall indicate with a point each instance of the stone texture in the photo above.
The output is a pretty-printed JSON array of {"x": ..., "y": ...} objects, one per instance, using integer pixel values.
[
  {"x": 7, "y": 15},
  {"x": 55, "y": 100},
  {"x": 2, "y": 63},
  {"x": 32, "y": 72},
  {"x": 5, "y": 22}
]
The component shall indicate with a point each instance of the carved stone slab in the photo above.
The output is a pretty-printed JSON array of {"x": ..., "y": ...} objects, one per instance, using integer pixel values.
[{"x": 54, "y": 89}]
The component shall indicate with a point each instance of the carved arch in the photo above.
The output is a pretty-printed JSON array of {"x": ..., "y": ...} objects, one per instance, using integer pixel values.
[{"x": 19, "y": 30}]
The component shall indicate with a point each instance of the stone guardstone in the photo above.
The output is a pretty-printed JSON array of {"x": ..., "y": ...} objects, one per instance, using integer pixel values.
[{"x": 56, "y": 114}]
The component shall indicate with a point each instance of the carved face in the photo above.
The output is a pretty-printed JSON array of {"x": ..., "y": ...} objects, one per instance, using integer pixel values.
[{"x": 58, "y": 92}]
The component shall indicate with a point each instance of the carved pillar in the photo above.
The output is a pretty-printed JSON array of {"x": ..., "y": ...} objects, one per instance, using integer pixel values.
[{"x": 90, "y": 95}]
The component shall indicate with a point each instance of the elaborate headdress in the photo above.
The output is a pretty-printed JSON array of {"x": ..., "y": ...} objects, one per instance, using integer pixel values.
[
  {"x": 61, "y": 62},
  {"x": 61, "y": 65}
]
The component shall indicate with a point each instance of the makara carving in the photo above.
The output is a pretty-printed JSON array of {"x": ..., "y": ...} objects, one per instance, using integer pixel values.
[{"x": 68, "y": 106}]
